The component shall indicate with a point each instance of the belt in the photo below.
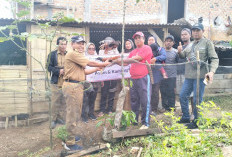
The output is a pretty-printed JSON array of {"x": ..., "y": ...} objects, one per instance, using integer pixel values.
[{"x": 73, "y": 81}]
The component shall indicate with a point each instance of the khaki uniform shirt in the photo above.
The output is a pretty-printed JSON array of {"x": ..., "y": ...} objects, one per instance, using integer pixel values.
[
  {"x": 74, "y": 67},
  {"x": 207, "y": 55},
  {"x": 60, "y": 63}
]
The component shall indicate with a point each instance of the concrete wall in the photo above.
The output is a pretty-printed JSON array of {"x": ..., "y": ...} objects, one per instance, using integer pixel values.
[{"x": 222, "y": 84}]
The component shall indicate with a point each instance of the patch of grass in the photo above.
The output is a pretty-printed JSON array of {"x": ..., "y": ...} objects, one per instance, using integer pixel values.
[{"x": 223, "y": 101}]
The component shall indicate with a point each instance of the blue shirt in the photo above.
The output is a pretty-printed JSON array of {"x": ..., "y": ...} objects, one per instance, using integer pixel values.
[{"x": 156, "y": 68}]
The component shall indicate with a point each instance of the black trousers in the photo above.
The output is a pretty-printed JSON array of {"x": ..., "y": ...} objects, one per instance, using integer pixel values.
[
  {"x": 155, "y": 96},
  {"x": 88, "y": 102},
  {"x": 107, "y": 96},
  {"x": 167, "y": 89}
]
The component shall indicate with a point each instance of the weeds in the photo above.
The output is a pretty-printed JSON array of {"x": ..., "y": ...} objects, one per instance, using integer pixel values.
[{"x": 176, "y": 140}]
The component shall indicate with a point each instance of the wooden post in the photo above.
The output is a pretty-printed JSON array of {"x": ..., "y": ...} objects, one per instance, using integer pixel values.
[
  {"x": 119, "y": 107},
  {"x": 123, "y": 93},
  {"x": 165, "y": 30},
  {"x": 16, "y": 121},
  {"x": 7, "y": 122},
  {"x": 198, "y": 80}
]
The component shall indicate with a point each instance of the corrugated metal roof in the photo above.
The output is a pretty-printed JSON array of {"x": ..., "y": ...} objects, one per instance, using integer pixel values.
[{"x": 85, "y": 23}]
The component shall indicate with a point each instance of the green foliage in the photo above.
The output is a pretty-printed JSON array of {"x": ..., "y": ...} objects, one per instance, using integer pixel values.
[
  {"x": 27, "y": 153},
  {"x": 231, "y": 42},
  {"x": 62, "y": 133},
  {"x": 128, "y": 83},
  {"x": 176, "y": 140},
  {"x": 23, "y": 13},
  {"x": 128, "y": 118}
]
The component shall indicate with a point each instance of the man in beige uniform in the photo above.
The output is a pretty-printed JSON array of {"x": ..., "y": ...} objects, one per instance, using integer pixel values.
[
  {"x": 55, "y": 63},
  {"x": 75, "y": 63}
]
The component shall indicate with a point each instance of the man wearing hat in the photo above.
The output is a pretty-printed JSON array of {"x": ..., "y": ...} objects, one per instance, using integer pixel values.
[
  {"x": 209, "y": 63},
  {"x": 167, "y": 86},
  {"x": 74, "y": 77},
  {"x": 140, "y": 91}
]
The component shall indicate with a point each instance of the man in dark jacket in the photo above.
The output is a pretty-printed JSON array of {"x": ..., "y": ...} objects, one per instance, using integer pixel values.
[{"x": 55, "y": 63}]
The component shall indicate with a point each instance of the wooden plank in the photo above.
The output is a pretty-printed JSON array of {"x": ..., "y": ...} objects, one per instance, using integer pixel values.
[
  {"x": 87, "y": 151},
  {"x": 38, "y": 120},
  {"x": 135, "y": 132},
  {"x": 152, "y": 32}
]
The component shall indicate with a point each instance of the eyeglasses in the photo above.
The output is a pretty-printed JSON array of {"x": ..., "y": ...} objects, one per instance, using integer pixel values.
[{"x": 91, "y": 48}]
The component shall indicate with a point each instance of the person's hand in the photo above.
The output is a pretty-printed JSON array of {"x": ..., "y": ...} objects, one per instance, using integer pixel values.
[
  {"x": 209, "y": 76},
  {"x": 61, "y": 71},
  {"x": 180, "y": 47},
  {"x": 106, "y": 63},
  {"x": 102, "y": 84},
  {"x": 153, "y": 60},
  {"x": 98, "y": 68}
]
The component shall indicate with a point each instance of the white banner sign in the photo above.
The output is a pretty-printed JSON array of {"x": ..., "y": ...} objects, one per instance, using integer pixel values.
[{"x": 109, "y": 73}]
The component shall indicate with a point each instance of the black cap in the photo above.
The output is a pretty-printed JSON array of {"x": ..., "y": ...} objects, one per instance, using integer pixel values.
[
  {"x": 169, "y": 37},
  {"x": 77, "y": 39},
  {"x": 198, "y": 26}
]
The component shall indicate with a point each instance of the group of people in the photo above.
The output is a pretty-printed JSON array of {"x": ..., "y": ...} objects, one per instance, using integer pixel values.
[{"x": 68, "y": 74}]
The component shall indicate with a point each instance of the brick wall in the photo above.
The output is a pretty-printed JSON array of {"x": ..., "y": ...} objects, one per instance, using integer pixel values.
[
  {"x": 209, "y": 10},
  {"x": 112, "y": 10},
  {"x": 149, "y": 11}
]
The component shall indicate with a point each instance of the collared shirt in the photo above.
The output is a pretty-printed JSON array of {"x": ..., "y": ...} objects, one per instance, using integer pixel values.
[
  {"x": 207, "y": 55},
  {"x": 75, "y": 64},
  {"x": 60, "y": 63}
]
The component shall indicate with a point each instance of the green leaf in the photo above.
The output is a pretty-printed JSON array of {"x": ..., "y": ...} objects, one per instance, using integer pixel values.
[
  {"x": 24, "y": 3},
  {"x": 3, "y": 28},
  {"x": 31, "y": 37},
  {"x": 12, "y": 27},
  {"x": 3, "y": 39},
  {"x": 66, "y": 19},
  {"x": 23, "y": 13},
  {"x": 99, "y": 123}
]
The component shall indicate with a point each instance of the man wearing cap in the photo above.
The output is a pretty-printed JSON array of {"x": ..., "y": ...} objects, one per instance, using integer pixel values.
[
  {"x": 75, "y": 63},
  {"x": 168, "y": 85},
  {"x": 209, "y": 63},
  {"x": 140, "y": 91}
]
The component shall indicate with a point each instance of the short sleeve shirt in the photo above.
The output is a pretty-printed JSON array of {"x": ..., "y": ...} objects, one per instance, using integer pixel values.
[
  {"x": 74, "y": 67},
  {"x": 139, "y": 70}
]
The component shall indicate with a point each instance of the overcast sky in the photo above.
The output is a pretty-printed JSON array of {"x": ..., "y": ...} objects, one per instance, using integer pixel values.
[{"x": 5, "y": 9}]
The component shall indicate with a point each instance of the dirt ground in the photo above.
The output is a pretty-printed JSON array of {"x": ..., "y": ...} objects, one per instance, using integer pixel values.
[{"x": 36, "y": 137}]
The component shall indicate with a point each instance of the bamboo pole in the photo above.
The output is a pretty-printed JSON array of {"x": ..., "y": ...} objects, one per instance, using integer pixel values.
[{"x": 198, "y": 80}]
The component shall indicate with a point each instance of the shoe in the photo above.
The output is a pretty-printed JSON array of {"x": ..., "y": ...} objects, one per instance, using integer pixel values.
[
  {"x": 92, "y": 117},
  {"x": 162, "y": 110},
  {"x": 183, "y": 121},
  {"x": 53, "y": 124},
  {"x": 85, "y": 119},
  {"x": 143, "y": 127},
  {"x": 77, "y": 138},
  {"x": 100, "y": 114},
  {"x": 74, "y": 147},
  {"x": 153, "y": 113},
  {"x": 191, "y": 125},
  {"x": 60, "y": 121}
]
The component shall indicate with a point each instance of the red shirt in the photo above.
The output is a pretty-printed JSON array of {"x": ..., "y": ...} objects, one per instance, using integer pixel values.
[{"x": 138, "y": 70}]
